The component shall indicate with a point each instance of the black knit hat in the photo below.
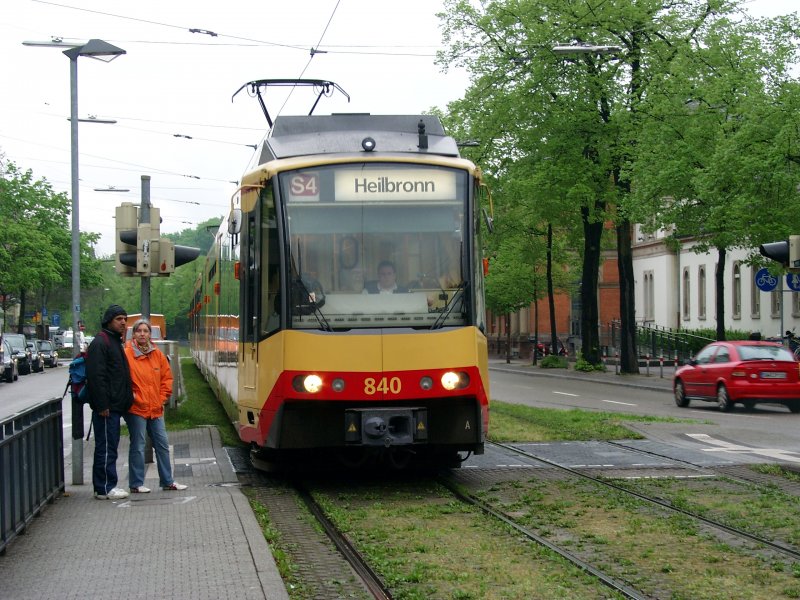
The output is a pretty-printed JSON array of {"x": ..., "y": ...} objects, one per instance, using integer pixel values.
[{"x": 112, "y": 311}]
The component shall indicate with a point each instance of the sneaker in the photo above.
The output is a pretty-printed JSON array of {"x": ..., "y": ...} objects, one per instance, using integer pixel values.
[
  {"x": 115, "y": 494},
  {"x": 175, "y": 486},
  {"x": 140, "y": 490}
]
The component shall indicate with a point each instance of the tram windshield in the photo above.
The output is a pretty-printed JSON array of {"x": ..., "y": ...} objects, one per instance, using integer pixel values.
[{"x": 377, "y": 245}]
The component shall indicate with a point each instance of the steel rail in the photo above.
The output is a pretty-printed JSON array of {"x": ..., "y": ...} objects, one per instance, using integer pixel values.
[
  {"x": 782, "y": 548},
  {"x": 370, "y": 579},
  {"x": 606, "y": 579}
]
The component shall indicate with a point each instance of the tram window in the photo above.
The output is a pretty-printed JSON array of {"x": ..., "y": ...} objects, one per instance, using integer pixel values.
[{"x": 271, "y": 281}]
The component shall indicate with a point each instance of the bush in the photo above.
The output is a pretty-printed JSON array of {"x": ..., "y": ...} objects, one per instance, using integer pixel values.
[
  {"x": 552, "y": 361},
  {"x": 583, "y": 365}
]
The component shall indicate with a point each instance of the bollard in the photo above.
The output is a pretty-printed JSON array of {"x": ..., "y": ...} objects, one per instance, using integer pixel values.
[
  {"x": 647, "y": 362},
  {"x": 661, "y": 366},
  {"x": 616, "y": 365}
]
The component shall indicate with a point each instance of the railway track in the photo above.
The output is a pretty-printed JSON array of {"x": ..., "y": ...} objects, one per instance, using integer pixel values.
[
  {"x": 779, "y": 547},
  {"x": 608, "y": 580},
  {"x": 368, "y": 577}
]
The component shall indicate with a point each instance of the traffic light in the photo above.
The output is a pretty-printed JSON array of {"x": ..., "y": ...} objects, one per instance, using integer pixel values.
[
  {"x": 777, "y": 251},
  {"x": 140, "y": 248},
  {"x": 147, "y": 243},
  {"x": 786, "y": 252},
  {"x": 126, "y": 223}
]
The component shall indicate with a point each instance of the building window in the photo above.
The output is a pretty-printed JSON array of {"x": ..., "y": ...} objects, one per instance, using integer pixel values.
[
  {"x": 775, "y": 304},
  {"x": 737, "y": 291},
  {"x": 795, "y": 304},
  {"x": 701, "y": 292},
  {"x": 649, "y": 296},
  {"x": 755, "y": 295},
  {"x": 686, "y": 296}
]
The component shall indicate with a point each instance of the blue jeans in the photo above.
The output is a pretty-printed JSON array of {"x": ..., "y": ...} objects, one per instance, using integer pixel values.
[
  {"x": 158, "y": 434},
  {"x": 106, "y": 443}
]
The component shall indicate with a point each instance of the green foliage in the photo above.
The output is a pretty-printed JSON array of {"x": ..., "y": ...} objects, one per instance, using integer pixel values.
[
  {"x": 581, "y": 364},
  {"x": 594, "y": 138},
  {"x": 551, "y": 361},
  {"x": 35, "y": 240}
]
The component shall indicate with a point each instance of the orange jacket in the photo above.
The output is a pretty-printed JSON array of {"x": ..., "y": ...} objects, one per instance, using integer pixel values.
[{"x": 152, "y": 381}]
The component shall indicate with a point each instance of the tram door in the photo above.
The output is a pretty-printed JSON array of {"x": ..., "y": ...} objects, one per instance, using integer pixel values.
[{"x": 249, "y": 274}]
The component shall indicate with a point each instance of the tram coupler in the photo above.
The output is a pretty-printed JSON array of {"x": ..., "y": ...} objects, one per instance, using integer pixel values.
[{"x": 385, "y": 426}]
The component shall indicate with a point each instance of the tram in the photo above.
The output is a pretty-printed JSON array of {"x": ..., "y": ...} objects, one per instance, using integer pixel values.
[{"x": 314, "y": 348}]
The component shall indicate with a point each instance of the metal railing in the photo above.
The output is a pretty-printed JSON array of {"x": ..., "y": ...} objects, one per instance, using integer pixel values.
[
  {"x": 31, "y": 466},
  {"x": 654, "y": 342}
]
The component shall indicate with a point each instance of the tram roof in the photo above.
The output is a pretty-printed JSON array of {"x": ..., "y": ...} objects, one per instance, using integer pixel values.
[{"x": 344, "y": 133}]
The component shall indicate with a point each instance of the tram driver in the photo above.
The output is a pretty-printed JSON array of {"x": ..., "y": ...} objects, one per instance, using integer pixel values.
[{"x": 387, "y": 280}]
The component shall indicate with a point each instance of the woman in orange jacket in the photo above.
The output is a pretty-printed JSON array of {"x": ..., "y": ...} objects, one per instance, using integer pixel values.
[{"x": 151, "y": 377}]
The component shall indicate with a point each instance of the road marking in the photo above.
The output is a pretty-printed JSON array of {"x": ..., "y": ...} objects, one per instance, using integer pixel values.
[
  {"x": 616, "y": 402},
  {"x": 565, "y": 394},
  {"x": 723, "y": 446}
]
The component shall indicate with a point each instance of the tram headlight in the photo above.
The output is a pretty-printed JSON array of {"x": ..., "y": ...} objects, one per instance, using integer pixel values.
[
  {"x": 452, "y": 380},
  {"x": 312, "y": 384},
  {"x": 307, "y": 383},
  {"x": 426, "y": 383},
  {"x": 368, "y": 144}
]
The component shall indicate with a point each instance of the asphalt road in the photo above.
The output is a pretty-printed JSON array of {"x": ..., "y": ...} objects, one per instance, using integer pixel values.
[
  {"x": 36, "y": 388},
  {"x": 767, "y": 430}
]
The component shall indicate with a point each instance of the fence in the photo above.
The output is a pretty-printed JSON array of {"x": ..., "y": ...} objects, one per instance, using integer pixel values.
[
  {"x": 31, "y": 466},
  {"x": 654, "y": 341}
]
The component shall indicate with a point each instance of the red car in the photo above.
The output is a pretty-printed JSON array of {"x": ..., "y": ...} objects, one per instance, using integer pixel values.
[{"x": 740, "y": 371}]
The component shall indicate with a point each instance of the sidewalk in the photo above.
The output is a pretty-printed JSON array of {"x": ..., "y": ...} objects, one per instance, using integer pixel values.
[
  {"x": 657, "y": 378},
  {"x": 201, "y": 543}
]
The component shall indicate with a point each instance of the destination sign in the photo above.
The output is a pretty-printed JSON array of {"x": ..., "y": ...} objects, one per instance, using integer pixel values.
[
  {"x": 394, "y": 185},
  {"x": 371, "y": 185}
]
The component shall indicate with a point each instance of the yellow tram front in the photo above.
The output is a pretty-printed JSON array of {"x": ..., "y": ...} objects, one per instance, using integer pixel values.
[{"x": 362, "y": 316}]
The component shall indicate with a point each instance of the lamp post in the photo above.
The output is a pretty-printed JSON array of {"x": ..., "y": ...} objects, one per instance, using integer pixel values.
[
  {"x": 106, "y": 52},
  {"x": 102, "y": 51}
]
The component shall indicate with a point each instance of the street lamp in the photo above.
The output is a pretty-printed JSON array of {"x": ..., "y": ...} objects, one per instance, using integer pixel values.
[{"x": 106, "y": 52}]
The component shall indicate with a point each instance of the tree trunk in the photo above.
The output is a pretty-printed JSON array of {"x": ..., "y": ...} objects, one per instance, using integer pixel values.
[
  {"x": 629, "y": 360},
  {"x": 508, "y": 338},
  {"x": 535, "y": 324},
  {"x": 550, "y": 298},
  {"x": 21, "y": 319},
  {"x": 590, "y": 334},
  {"x": 719, "y": 301}
]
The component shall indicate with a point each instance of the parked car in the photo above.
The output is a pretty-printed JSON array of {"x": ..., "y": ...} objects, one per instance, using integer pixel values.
[
  {"x": 19, "y": 346},
  {"x": 37, "y": 360},
  {"x": 740, "y": 371},
  {"x": 48, "y": 351},
  {"x": 9, "y": 362}
]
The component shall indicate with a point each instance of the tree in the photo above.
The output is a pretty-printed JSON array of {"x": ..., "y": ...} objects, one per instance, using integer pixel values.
[
  {"x": 35, "y": 238},
  {"x": 716, "y": 158},
  {"x": 586, "y": 111}
]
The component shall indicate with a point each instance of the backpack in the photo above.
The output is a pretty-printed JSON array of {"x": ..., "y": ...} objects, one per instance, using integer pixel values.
[{"x": 76, "y": 383}]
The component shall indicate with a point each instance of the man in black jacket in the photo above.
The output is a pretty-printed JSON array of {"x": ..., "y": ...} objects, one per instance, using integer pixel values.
[{"x": 110, "y": 396}]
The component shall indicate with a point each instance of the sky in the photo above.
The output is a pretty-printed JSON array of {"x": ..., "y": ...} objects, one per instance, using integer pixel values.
[{"x": 170, "y": 94}]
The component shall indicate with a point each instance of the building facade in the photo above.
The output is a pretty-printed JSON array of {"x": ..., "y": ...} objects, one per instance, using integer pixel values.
[{"x": 675, "y": 288}]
